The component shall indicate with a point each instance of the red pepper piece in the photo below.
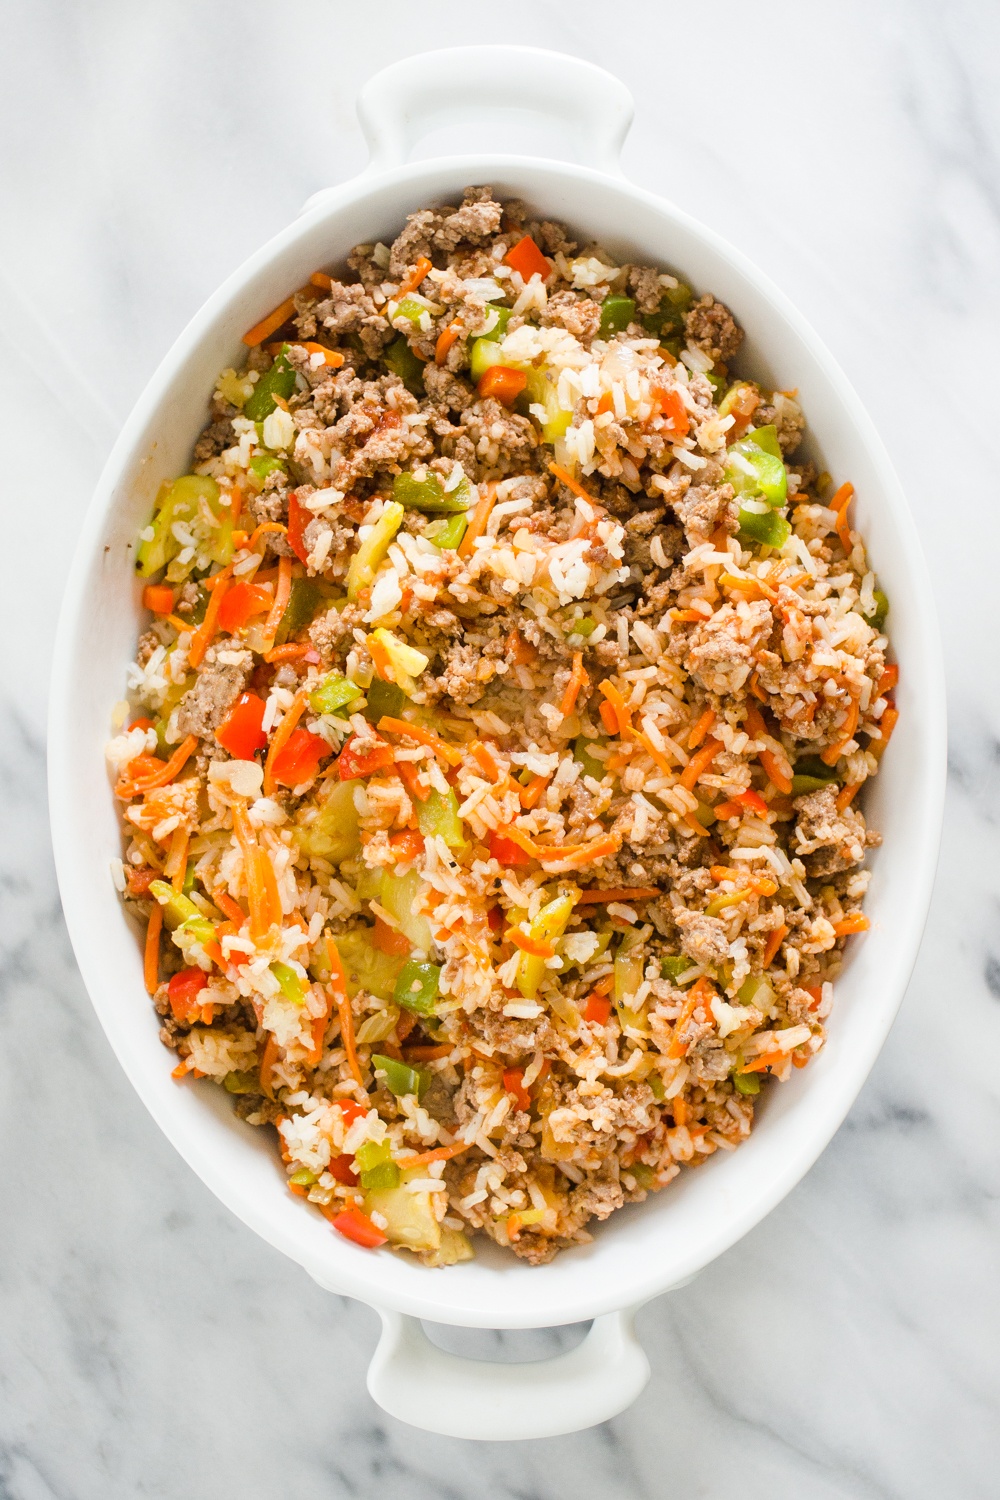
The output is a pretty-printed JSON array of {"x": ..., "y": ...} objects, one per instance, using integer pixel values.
[
  {"x": 340, "y": 1167},
  {"x": 356, "y": 1226},
  {"x": 298, "y": 760},
  {"x": 184, "y": 989},
  {"x": 526, "y": 258},
  {"x": 241, "y": 603},
  {"x": 503, "y": 384},
  {"x": 361, "y": 758},
  {"x": 506, "y": 852},
  {"x": 240, "y": 731},
  {"x": 513, "y": 1082},
  {"x": 158, "y": 598},
  {"x": 597, "y": 1009},
  {"x": 298, "y": 520}
]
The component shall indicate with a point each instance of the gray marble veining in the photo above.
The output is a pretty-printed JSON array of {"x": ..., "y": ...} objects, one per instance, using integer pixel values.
[{"x": 846, "y": 1349}]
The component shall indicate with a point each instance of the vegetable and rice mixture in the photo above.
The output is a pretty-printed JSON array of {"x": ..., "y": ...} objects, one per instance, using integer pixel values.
[{"x": 489, "y": 801}]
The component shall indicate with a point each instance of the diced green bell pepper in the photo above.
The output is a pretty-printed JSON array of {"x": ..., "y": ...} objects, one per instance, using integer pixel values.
[
  {"x": 439, "y": 815},
  {"x": 504, "y": 315},
  {"x": 673, "y": 968},
  {"x": 385, "y": 700},
  {"x": 447, "y": 534},
  {"x": 656, "y": 1084},
  {"x": 180, "y": 912},
  {"x": 484, "y": 353},
  {"x": 399, "y": 895},
  {"x": 400, "y": 1078},
  {"x": 616, "y": 314},
  {"x": 629, "y": 968},
  {"x": 180, "y": 502},
  {"x": 767, "y": 439},
  {"x": 365, "y": 562},
  {"x": 584, "y": 627},
  {"x": 746, "y": 1083},
  {"x": 643, "y": 1175},
  {"x": 367, "y": 968},
  {"x": 429, "y": 494},
  {"x": 812, "y": 765},
  {"x": 376, "y": 1168},
  {"x": 417, "y": 987},
  {"x": 881, "y": 610},
  {"x": 754, "y": 470},
  {"x": 333, "y": 835},
  {"x": 333, "y": 694},
  {"x": 262, "y": 464},
  {"x": 410, "y": 308},
  {"x": 305, "y": 600},
  {"x": 718, "y": 385},
  {"x": 303, "y": 1177},
  {"x": 590, "y": 763},
  {"x": 767, "y": 528},
  {"x": 279, "y": 380},
  {"x": 400, "y": 360},
  {"x": 669, "y": 316},
  {"x": 291, "y": 985},
  {"x": 542, "y": 390},
  {"x": 241, "y": 1083}
]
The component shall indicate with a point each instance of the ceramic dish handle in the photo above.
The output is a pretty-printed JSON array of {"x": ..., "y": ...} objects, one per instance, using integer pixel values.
[
  {"x": 414, "y": 1380},
  {"x": 404, "y": 102}
]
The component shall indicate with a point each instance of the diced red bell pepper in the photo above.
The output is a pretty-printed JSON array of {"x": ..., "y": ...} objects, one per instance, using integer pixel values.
[
  {"x": 407, "y": 844},
  {"x": 495, "y": 919},
  {"x": 506, "y": 852},
  {"x": 139, "y": 881},
  {"x": 351, "y": 1111},
  {"x": 299, "y": 759},
  {"x": 597, "y": 1010},
  {"x": 388, "y": 940},
  {"x": 298, "y": 520},
  {"x": 753, "y": 800},
  {"x": 142, "y": 724},
  {"x": 340, "y": 1167},
  {"x": 184, "y": 989},
  {"x": 503, "y": 384},
  {"x": 242, "y": 601},
  {"x": 240, "y": 731},
  {"x": 672, "y": 406},
  {"x": 362, "y": 757},
  {"x": 526, "y": 258},
  {"x": 356, "y": 1226},
  {"x": 158, "y": 598},
  {"x": 513, "y": 1082}
]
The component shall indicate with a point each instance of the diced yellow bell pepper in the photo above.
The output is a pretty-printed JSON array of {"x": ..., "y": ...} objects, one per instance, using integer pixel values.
[
  {"x": 549, "y": 924},
  {"x": 365, "y": 562}
]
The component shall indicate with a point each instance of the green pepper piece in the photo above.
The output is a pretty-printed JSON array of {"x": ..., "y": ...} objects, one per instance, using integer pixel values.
[
  {"x": 410, "y": 308},
  {"x": 365, "y": 562},
  {"x": 400, "y": 360},
  {"x": 881, "y": 610},
  {"x": 189, "y": 878},
  {"x": 447, "y": 534},
  {"x": 753, "y": 470},
  {"x": 718, "y": 385},
  {"x": 200, "y": 605},
  {"x": 673, "y": 968},
  {"x": 439, "y": 814},
  {"x": 180, "y": 501},
  {"x": 241, "y": 1083},
  {"x": 803, "y": 784},
  {"x": 616, "y": 314},
  {"x": 179, "y": 912},
  {"x": 643, "y": 1175},
  {"x": 429, "y": 494},
  {"x": 769, "y": 529},
  {"x": 591, "y": 765},
  {"x": 400, "y": 1079},
  {"x": 746, "y": 1083},
  {"x": 262, "y": 464},
  {"x": 669, "y": 316},
  {"x": 333, "y": 693},
  {"x": 766, "y": 438},
  {"x": 385, "y": 699},
  {"x": 499, "y": 328},
  {"x": 279, "y": 380},
  {"x": 656, "y": 1084},
  {"x": 380, "y": 1178},
  {"x": 811, "y": 765},
  {"x": 303, "y": 1177},
  {"x": 303, "y": 605},
  {"x": 417, "y": 987},
  {"x": 291, "y": 985},
  {"x": 584, "y": 627},
  {"x": 484, "y": 353}
]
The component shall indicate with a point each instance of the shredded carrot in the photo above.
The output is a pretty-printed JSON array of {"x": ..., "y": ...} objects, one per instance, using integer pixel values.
[
  {"x": 699, "y": 763},
  {"x": 423, "y": 736},
  {"x": 623, "y": 713},
  {"x": 440, "y": 1153},
  {"x": 756, "y": 688},
  {"x": 203, "y": 636},
  {"x": 688, "y": 616},
  {"x": 445, "y": 340},
  {"x": 338, "y": 989},
  {"x": 166, "y": 773},
  {"x": 608, "y": 717},
  {"x": 287, "y": 653},
  {"x": 530, "y": 794},
  {"x": 263, "y": 330},
  {"x": 727, "y": 810},
  {"x": 774, "y": 942},
  {"x": 856, "y": 922},
  {"x": 692, "y": 822},
  {"x": 537, "y": 947},
  {"x": 571, "y": 484},
  {"x": 282, "y": 735},
  {"x": 480, "y": 516},
  {"x": 832, "y": 753},
  {"x": 151, "y": 954},
  {"x": 260, "y": 530},
  {"x": 179, "y": 624},
  {"x": 331, "y": 358},
  {"x": 578, "y": 679},
  {"x": 847, "y": 794},
  {"x": 232, "y": 909},
  {"x": 267, "y": 1063},
  {"x": 700, "y": 993},
  {"x": 176, "y": 864},
  {"x": 765, "y": 1063},
  {"x": 655, "y": 755},
  {"x": 262, "y": 890},
  {"x": 886, "y": 724},
  {"x": 427, "y": 1054},
  {"x": 773, "y": 766},
  {"x": 701, "y": 728},
  {"x": 414, "y": 279},
  {"x": 619, "y": 893},
  {"x": 839, "y": 503},
  {"x": 561, "y": 853},
  {"x": 321, "y": 279},
  {"x": 281, "y": 595}
]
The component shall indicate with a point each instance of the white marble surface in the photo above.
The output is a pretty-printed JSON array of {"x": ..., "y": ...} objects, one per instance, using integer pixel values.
[{"x": 149, "y": 1344}]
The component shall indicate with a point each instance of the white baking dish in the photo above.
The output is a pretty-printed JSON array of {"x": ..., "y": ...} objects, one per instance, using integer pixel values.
[{"x": 643, "y": 1250}]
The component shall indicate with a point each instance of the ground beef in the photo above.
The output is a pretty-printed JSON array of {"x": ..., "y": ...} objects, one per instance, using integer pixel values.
[
  {"x": 580, "y": 316},
  {"x": 702, "y": 509},
  {"x": 702, "y": 938},
  {"x": 219, "y": 684},
  {"x": 711, "y": 326},
  {"x": 720, "y": 653},
  {"x": 828, "y": 841},
  {"x": 213, "y": 441}
]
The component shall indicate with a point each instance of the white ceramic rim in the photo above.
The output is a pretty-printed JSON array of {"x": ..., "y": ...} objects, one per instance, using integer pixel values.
[{"x": 438, "y": 1296}]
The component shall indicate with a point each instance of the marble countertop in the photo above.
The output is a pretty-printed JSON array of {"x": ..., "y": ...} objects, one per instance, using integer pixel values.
[{"x": 150, "y": 1345}]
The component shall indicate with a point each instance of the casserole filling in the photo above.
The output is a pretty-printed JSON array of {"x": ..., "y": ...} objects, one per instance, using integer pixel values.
[{"x": 489, "y": 765}]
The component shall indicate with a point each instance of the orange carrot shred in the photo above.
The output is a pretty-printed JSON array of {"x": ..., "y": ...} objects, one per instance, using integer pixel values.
[
  {"x": 774, "y": 942},
  {"x": 571, "y": 484},
  {"x": 268, "y": 325},
  {"x": 338, "y": 988},
  {"x": 414, "y": 279},
  {"x": 142, "y": 784},
  {"x": 423, "y": 736},
  {"x": 281, "y": 596},
  {"x": 203, "y": 636},
  {"x": 701, "y": 728},
  {"x": 151, "y": 953},
  {"x": 699, "y": 763},
  {"x": 282, "y": 735},
  {"x": 578, "y": 679},
  {"x": 445, "y": 340},
  {"x": 480, "y": 516}
]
